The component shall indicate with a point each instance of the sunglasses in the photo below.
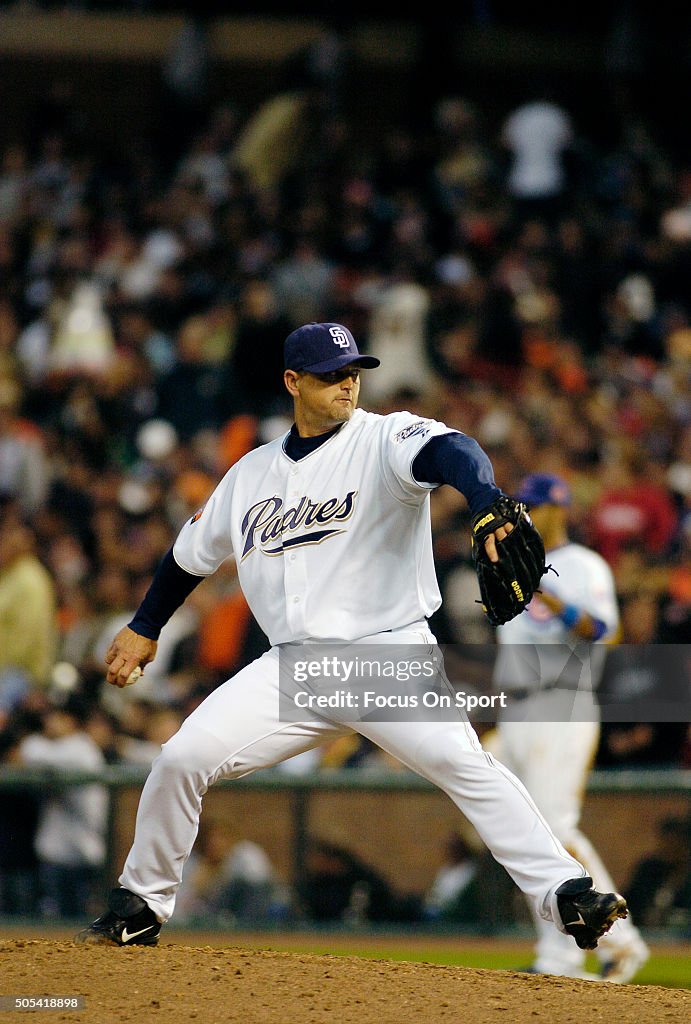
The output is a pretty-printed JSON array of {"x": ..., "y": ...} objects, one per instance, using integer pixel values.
[{"x": 336, "y": 376}]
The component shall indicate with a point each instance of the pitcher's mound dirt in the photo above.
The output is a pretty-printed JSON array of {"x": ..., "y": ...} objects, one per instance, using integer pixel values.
[{"x": 206, "y": 985}]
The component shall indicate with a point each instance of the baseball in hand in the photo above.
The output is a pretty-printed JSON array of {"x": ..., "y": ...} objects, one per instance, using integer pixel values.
[{"x": 134, "y": 675}]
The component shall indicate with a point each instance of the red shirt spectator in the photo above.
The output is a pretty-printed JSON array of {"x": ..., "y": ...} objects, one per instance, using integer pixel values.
[{"x": 632, "y": 509}]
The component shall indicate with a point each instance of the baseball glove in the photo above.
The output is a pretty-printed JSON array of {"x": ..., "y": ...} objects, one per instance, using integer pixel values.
[{"x": 507, "y": 586}]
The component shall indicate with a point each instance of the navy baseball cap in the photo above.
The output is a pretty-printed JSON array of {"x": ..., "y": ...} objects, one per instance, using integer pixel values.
[
  {"x": 544, "y": 489},
  {"x": 320, "y": 348}
]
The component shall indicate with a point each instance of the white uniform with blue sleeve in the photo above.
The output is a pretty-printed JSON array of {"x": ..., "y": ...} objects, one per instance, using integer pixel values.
[{"x": 335, "y": 545}]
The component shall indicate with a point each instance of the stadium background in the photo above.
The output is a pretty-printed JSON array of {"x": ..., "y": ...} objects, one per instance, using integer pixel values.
[{"x": 99, "y": 79}]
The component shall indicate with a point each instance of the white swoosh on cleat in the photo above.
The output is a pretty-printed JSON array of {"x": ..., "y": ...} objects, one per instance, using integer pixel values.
[
  {"x": 579, "y": 920},
  {"x": 128, "y": 936}
]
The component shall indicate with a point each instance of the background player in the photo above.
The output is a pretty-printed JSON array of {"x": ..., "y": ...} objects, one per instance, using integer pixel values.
[
  {"x": 330, "y": 528},
  {"x": 574, "y": 609}
]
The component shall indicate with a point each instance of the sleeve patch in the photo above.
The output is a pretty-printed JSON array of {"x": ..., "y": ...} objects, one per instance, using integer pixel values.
[
  {"x": 197, "y": 515},
  {"x": 419, "y": 428}
]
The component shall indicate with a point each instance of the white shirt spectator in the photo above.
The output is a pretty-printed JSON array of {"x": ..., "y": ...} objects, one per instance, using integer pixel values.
[
  {"x": 72, "y": 824},
  {"x": 537, "y": 134}
]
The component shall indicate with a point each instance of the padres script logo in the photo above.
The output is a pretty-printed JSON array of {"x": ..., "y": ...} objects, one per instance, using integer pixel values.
[{"x": 266, "y": 523}]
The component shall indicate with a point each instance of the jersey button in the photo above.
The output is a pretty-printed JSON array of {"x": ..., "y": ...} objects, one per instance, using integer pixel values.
[
  {"x": 296, "y": 600},
  {"x": 293, "y": 557}
]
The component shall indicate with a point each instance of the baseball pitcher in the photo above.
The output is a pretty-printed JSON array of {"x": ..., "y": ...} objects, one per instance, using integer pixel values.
[{"x": 330, "y": 529}]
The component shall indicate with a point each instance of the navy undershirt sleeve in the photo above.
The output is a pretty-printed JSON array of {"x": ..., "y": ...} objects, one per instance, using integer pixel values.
[
  {"x": 169, "y": 588},
  {"x": 458, "y": 460}
]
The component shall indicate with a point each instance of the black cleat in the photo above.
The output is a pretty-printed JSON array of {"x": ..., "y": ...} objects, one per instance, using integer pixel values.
[
  {"x": 129, "y": 921},
  {"x": 586, "y": 913}
]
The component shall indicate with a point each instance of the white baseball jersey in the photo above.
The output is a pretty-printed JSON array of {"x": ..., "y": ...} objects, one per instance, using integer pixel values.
[
  {"x": 335, "y": 546},
  {"x": 586, "y": 581}
]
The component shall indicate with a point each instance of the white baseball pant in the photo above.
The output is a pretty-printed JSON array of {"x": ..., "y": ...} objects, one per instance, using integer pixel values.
[{"x": 236, "y": 731}]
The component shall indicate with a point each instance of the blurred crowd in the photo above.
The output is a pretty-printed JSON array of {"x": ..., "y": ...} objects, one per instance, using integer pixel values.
[{"x": 524, "y": 283}]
